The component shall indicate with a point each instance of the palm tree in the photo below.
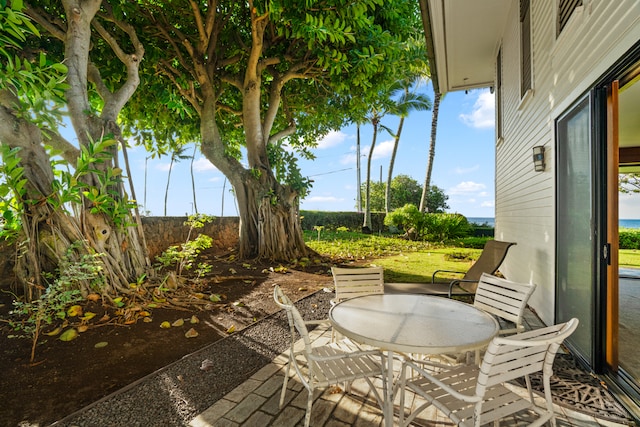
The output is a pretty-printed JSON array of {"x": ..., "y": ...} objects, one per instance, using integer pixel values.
[
  {"x": 375, "y": 117},
  {"x": 432, "y": 151},
  {"x": 408, "y": 102},
  {"x": 176, "y": 156}
]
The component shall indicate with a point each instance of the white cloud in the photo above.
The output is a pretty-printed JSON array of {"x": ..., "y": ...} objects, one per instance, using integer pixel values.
[
  {"x": 488, "y": 204},
  {"x": 483, "y": 114},
  {"x": 332, "y": 139},
  {"x": 349, "y": 159},
  {"x": 464, "y": 171},
  {"x": 467, "y": 188},
  {"x": 381, "y": 151},
  {"x": 203, "y": 164},
  {"x": 164, "y": 167}
]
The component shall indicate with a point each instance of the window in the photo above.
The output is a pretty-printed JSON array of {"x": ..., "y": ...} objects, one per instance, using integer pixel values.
[
  {"x": 525, "y": 46},
  {"x": 565, "y": 9},
  {"x": 499, "y": 95}
]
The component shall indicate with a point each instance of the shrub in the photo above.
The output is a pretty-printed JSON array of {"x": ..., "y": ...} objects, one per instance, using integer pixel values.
[
  {"x": 444, "y": 226},
  {"x": 406, "y": 218},
  {"x": 471, "y": 242},
  {"x": 629, "y": 239},
  {"x": 428, "y": 226}
]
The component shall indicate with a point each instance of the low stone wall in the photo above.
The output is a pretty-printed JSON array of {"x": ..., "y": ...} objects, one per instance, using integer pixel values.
[{"x": 162, "y": 232}]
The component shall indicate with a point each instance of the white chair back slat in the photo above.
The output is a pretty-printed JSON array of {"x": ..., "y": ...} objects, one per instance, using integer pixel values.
[
  {"x": 503, "y": 298},
  {"x": 353, "y": 282}
]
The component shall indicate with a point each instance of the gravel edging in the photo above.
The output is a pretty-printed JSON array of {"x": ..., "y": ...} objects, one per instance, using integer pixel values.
[{"x": 177, "y": 393}]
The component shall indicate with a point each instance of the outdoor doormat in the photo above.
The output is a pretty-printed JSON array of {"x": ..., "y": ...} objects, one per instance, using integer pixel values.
[{"x": 577, "y": 389}]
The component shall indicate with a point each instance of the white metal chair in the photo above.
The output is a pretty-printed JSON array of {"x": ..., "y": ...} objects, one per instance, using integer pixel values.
[
  {"x": 354, "y": 282},
  {"x": 504, "y": 299},
  {"x": 322, "y": 366},
  {"x": 471, "y": 396}
]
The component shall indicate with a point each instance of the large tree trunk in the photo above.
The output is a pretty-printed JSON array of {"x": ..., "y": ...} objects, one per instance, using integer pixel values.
[
  {"x": 269, "y": 222},
  {"x": 49, "y": 232},
  {"x": 270, "y": 226}
]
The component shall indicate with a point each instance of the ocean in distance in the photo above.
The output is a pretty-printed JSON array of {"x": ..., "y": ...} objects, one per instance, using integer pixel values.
[{"x": 490, "y": 221}]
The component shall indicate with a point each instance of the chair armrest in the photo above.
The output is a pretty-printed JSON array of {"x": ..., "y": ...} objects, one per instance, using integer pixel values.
[
  {"x": 445, "y": 387},
  {"x": 433, "y": 276},
  {"x": 457, "y": 282}
]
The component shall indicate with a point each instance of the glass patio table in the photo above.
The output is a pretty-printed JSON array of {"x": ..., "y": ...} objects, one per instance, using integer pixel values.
[{"x": 412, "y": 324}]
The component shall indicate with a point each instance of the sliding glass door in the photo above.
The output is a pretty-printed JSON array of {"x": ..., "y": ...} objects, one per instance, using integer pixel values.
[{"x": 575, "y": 224}]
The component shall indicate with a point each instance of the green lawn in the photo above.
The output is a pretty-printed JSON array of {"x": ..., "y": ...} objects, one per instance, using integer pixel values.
[
  {"x": 629, "y": 258},
  {"x": 406, "y": 261}
]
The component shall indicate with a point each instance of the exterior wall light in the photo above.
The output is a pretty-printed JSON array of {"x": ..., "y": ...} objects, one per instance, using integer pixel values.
[{"x": 538, "y": 158}]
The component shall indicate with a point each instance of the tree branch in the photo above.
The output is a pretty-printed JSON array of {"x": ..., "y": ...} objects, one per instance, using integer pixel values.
[
  {"x": 68, "y": 151},
  {"x": 55, "y": 27},
  {"x": 189, "y": 95},
  {"x": 202, "y": 32},
  {"x": 115, "y": 102}
]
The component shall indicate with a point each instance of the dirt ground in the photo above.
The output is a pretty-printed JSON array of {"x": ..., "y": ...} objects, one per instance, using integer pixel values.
[{"x": 66, "y": 376}]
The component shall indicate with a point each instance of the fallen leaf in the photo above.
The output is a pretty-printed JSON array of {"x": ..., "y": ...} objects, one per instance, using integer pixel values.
[
  {"x": 101, "y": 344},
  {"x": 82, "y": 328},
  {"x": 194, "y": 319},
  {"x": 165, "y": 325},
  {"x": 231, "y": 329},
  {"x": 178, "y": 322},
  {"x": 147, "y": 320},
  {"x": 56, "y": 331},
  {"x": 302, "y": 289},
  {"x": 93, "y": 297},
  {"x": 191, "y": 333},
  {"x": 215, "y": 298},
  {"x": 69, "y": 334},
  {"x": 238, "y": 304},
  {"x": 74, "y": 310},
  {"x": 88, "y": 315},
  {"x": 232, "y": 271},
  {"x": 335, "y": 389}
]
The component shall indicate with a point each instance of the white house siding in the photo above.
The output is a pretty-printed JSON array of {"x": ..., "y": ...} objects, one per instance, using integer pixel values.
[{"x": 596, "y": 36}]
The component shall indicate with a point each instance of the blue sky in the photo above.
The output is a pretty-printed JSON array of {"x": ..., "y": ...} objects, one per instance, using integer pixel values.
[{"x": 463, "y": 168}]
